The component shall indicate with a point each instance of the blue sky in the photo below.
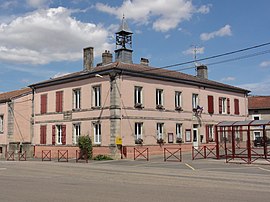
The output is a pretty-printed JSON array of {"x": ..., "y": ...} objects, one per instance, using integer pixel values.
[{"x": 41, "y": 39}]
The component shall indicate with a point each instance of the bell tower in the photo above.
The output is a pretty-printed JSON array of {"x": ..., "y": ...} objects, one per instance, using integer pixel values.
[{"x": 123, "y": 52}]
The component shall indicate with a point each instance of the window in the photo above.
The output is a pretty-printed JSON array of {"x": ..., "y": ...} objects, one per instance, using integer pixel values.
[
  {"x": 76, "y": 99},
  {"x": 195, "y": 101},
  {"x": 59, "y": 101},
  {"x": 224, "y": 105},
  {"x": 159, "y": 98},
  {"x": 97, "y": 96},
  {"x": 178, "y": 102},
  {"x": 236, "y": 107},
  {"x": 76, "y": 132},
  {"x": 210, "y": 104},
  {"x": 1, "y": 123},
  {"x": 97, "y": 133},
  {"x": 179, "y": 130},
  {"x": 209, "y": 133},
  {"x": 138, "y": 130},
  {"x": 43, "y": 104},
  {"x": 59, "y": 134},
  {"x": 160, "y": 130},
  {"x": 43, "y": 134},
  {"x": 138, "y": 96}
]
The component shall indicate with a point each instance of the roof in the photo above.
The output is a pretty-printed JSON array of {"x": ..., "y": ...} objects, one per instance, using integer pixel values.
[
  {"x": 244, "y": 123},
  {"x": 144, "y": 71},
  {"x": 5, "y": 97},
  {"x": 259, "y": 102}
]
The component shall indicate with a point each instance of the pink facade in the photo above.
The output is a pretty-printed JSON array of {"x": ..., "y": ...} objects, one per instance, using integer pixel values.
[
  {"x": 15, "y": 118},
  {"x": 117, "y": 116}
]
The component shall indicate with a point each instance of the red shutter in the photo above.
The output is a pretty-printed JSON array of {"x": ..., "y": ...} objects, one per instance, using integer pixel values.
[
  {"x": 43, "y": 104},
  {"x": 220, "y": 105},
  {"x": 43, "y": 134},
  {"x": 64, "y": 134},
  {"x": 228, "y": 106},
  {"x": 236, "y": 106},
  {"x": 59, "y": 101},
  {"x": 53, "y": 134},
  {"x": 210, "y": 104},
  {"x": 207, "y": 133}
]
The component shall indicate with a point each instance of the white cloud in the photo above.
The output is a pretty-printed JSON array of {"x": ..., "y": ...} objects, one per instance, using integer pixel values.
[
  {"x": 38, "y": 3},
  {"x": 204, "y": 9},
  {"x": 260, "y": 88},
  {"x": 48, "y": 35},
  {"x": 265, "y": 64},
  {"x": 224, "y": 31},
  {"x": 162, "y": 15},
  {"x": 190, "y": 51},
  {"x": 229, "y": 78}
]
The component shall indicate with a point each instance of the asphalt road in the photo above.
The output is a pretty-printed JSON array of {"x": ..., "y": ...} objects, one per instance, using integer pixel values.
[{"x": 128, "y": 180}]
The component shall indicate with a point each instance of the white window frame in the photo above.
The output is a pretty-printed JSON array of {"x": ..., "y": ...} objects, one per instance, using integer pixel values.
[
  {"x": 195, "y": 100},
  {"x": 138, "y": 99},
  {"x": 138, "y": 130},
  {"x": 1, "y": 123},
  {"x": 59, "y": 134},
  {"x": 96, "y": 96},
  {"x": 76, "y": 98},
  {"x": 159, "y": 97},
  {"x": 178, "y": 99},
  {"x": 97, "y": 132},
  {"x": 211, "y": 132},
  {"x": 76, "y": 132},
  {"x": 224, "y": 105},
  {"x": 160, "y": 130},
  {"x": 179, "y": 130}
]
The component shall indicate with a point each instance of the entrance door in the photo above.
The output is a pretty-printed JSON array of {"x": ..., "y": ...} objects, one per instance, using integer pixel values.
[{"x": 195, "y": 136}]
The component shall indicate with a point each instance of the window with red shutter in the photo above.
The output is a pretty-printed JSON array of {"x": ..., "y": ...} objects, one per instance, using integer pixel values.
[
  {"x": 43, "y": 134},
  {"x": 210, "y": 104},
  {"x": 43, "y": 104},
  {"x": 53, "y": 134},
  {"x": 59, "y": 101},
  {"x": 220, "y": 105},
  {"x": 64, "y": 134},
  {"x": 236, "y": 106},
  {"x": 228, "y": 106},
  {"x": 207, "y": 133}
]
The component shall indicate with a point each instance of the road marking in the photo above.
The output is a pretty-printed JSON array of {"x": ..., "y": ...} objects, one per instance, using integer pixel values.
[
  {"x": 264, "y": 169},
  {"x": 189, "y": 166}
]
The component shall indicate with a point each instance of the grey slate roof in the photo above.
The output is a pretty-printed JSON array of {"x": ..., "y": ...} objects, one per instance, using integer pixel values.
[{"x": 144, "y": 71}]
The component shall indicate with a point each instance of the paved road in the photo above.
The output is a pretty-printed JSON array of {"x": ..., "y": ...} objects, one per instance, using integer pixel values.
[{"x": 128, "y": 180}]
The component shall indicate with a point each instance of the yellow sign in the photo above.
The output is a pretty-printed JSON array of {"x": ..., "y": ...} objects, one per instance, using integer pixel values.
[{"x": 118, "y": 140}]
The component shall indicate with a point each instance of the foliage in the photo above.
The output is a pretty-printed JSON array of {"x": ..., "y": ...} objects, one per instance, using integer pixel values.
[
  {"x": 160, "y": 141},
  {"x": 85, "y": 145},
  {"x": 101, "y": 157},
  {"x": 179, "y": 140}
]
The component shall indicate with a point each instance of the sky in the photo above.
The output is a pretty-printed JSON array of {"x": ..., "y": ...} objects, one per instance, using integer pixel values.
[{"x": 42, "y": 39}]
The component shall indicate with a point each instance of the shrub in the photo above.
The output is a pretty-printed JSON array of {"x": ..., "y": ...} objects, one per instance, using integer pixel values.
[
  {"x": 85, "y": 145},
  {"x": 101, "y": 157}
]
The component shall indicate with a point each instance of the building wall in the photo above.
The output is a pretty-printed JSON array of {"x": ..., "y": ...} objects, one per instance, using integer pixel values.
[
  {"x": 85, "y": 116},
  {"x": 3, "y": 134},
  {"x": 148, "y": 115}
]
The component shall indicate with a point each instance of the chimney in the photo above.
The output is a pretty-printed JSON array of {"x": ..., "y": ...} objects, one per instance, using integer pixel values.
[
  {"x": 202, "y": 71},
  {"x": 106, "y": 57},
  {"x": 88, "y": 58},
  {"x": 144, "y": 61}
]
